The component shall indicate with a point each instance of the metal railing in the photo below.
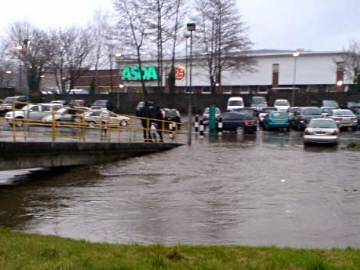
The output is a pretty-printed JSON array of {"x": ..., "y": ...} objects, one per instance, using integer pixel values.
[{"x": 21, "y": 127}]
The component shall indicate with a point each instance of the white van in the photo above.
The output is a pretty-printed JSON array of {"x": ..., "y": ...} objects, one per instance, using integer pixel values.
[{"x": 235, "y": 103}]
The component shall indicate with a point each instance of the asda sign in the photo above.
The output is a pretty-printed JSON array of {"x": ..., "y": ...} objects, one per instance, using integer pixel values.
[{"x": 134, "y": 73}]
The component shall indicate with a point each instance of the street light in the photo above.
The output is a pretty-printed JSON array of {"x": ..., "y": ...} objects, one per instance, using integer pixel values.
[
  {"x": 296, "y": 54},
  {"x": 190, "y": 27},
  {"x": 186, "y": 36}
]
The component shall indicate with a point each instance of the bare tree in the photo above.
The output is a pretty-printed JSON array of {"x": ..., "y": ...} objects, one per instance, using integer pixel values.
[
  {"x": 33, "y": 48},
  {"x": 175, "y": 27},
  {"x": 100, "y": 30},
  {"x": 132, "y": 31},
  {"x": 222, "y": 38},
  {"x": 71, "y": 49},
  {"x": 351, "y": 59}
]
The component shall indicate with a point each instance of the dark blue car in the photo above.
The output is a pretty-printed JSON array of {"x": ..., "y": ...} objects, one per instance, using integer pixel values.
[{"x": 243, "y": 118}]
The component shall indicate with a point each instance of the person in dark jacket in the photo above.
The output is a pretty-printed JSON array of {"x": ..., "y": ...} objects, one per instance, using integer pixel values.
[{"x": 146, "y": 111}]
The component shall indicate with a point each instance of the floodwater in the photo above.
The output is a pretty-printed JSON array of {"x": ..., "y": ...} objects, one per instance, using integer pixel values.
[{"x": 264, "y": 189}]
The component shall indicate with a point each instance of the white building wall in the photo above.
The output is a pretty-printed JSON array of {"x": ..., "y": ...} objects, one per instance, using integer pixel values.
[{"x": 311, "y": 69}]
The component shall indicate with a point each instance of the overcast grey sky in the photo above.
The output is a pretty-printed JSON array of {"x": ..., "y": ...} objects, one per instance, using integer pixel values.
[{"x": 274, "y": 24}]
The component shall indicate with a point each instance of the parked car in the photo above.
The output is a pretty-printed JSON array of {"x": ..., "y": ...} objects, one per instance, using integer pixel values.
[
  {"x": 101, "y": 104},
  {"x": 59, "y": 101},
  {"x": 32, "y": 112},
  {"x": 258, "y": 103},
  {"x": 321, "y": 130},
  {"x": 326, "y": 111},
  {"x": 78, "y": 92},
  {"x": 10, "y": 102},
  {"x": 277, "y": 120},
  {"x": 171, "y": 115},
  {"x": 357, "y": 113},
  {"x": 303, "y": 116},
  {"x": 206, "y": 115},
  {"x": 99, "y": 117},
  {"x": 292, "y": 112},
  {"x": 66, "y": 114},
  {"x": 352, "y": 104},
  {"x": 235, "y": 103},
  {"x": 282, "y": 104},
  {"x": 77, "y": 103},
  {"x": 329, "y": 103},
  {"x": 263, "y": 113},
  {"x": 242, "y": 118},
  {"x": 344, "y": 118}
]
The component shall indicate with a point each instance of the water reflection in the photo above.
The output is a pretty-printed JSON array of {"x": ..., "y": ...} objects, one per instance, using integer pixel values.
[{"x": 261, "y": 189}]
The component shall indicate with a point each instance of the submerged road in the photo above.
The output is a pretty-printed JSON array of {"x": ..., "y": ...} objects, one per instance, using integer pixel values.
[{"x": 264, "y": 189}]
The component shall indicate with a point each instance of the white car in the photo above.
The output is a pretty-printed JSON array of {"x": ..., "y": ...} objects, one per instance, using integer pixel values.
[
  {"x": 282, "y": 104},
  {"x": 321, "y": 130},
  {"x": 235, "y": 103},
  {"x": 98, "y": 117},
  {"x": 32, "y": 112}
]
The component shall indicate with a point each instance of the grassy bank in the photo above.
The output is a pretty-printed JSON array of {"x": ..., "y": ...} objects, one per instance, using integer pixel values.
[{"x": 23, "y": 251}]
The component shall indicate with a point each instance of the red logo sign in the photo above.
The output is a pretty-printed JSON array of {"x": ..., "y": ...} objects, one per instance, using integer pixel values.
[{"x": 179, "y": 73}]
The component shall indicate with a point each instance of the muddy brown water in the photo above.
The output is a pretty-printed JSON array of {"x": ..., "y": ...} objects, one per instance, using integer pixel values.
[{"x": 264, "y": 189}]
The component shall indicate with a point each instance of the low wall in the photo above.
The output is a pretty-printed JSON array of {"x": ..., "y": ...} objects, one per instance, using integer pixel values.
[
  {"x": 23, "y": 155},
  {"x": 126, "y": 102}
]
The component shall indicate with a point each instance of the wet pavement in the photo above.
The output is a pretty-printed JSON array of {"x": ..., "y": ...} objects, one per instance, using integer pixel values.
[{"x": 264, "y": 189}]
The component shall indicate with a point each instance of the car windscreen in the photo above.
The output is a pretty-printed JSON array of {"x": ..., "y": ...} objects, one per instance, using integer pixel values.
[
  {"x": 322, "y": 123},
  {"x": 279, "y": 114},
  {"x": 282, "y": 103},
  {"x": 344, "y": 113},
  {"x": 235, "y": 103},
  {"x": 312, "y": 111},
  {"x": 258, "y": 100},
  {"x": 232, "y": 116},
  {"x": 326, "y": 110},
  {"x": 246, "y": 114},
  {"x": 170, "y": 113},
  {"x": 100, "y": 103},
  {"x": 330, "y": 103},
  {"x": 268, "y": 110}
]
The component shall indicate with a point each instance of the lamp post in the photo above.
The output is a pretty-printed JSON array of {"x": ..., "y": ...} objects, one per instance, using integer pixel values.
[
  {"x": 186, "y": 36},
  {"x": 296, "y": 54},
  {"x": 190, "y": 27}
]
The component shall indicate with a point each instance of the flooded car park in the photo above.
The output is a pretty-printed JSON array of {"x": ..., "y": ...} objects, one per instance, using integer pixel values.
[{"x": 253, "y": 189}]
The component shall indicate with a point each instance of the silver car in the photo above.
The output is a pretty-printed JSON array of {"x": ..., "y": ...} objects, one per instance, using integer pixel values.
[
  {"x": 344, "y": 118},
  {"x": 99, "y": 117},
  {"x": 32, "y": 112},
  {"x": 321, "y": 130}
]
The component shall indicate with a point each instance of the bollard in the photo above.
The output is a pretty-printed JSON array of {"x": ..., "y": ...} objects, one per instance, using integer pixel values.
[
  {"x": 196, "y": 125},
  {"x": 220, "y": 126},
  {"x": 171, "y": 135},
  {"x": 202, "y": 128}
]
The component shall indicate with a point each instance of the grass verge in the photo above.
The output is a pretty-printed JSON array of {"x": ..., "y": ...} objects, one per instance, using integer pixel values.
[{"x": 27, "y": 251}]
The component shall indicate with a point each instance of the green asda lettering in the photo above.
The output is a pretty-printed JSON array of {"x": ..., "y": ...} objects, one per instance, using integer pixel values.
[{"x": 132, "y": 73}]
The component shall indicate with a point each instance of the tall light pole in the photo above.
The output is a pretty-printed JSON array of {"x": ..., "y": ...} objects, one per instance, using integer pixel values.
[
  {"x": 121, "y": 85},
  {"x": 187, "y": 36},
  {"x": 296, "y": 54},
  {"x": 190, "y": 27}
]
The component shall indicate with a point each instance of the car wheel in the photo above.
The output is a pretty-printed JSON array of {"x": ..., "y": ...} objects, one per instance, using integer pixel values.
[
  {"x": 19, "y": 121},
  {"x": 123, "y": 123}
]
